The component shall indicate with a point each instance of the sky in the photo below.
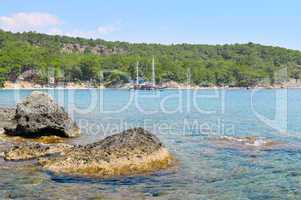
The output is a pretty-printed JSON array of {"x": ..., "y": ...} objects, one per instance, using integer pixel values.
[{"x": 268, "y": 22}]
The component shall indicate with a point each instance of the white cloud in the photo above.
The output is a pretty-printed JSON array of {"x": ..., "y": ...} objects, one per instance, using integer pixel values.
[
  {"x": 32, "y": 21},
  {"x": 50, "y": 24}
]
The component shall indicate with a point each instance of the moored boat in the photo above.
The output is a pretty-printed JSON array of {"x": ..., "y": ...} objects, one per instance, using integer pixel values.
[{"x": 147, "y": 86}]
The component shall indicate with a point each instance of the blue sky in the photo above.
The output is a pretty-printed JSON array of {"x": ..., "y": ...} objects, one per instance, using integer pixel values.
[{"x": 270, "y": 22}]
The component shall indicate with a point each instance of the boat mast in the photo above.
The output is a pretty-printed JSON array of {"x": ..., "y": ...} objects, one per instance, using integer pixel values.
[
  {"x": 153, "y": 72},
  {"x": 188, "y": 76},
  {"x": 137, "y": 73}
]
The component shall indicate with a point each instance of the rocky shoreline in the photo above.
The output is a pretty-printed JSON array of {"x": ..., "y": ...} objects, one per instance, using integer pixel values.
[{"x": 36, "y": 129}]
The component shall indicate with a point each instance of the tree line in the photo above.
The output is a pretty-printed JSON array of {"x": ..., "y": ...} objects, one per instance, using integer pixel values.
[{"x": 233, "y": 65}]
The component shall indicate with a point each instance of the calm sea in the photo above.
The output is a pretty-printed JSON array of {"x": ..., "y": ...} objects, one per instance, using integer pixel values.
[{"x": 185, "y": 121}]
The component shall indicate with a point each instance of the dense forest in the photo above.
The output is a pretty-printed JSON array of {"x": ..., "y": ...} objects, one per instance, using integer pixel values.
[{"x": 78, "y": 59}]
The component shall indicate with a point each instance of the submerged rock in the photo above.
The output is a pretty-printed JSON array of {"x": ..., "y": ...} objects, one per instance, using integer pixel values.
[
  {"x": 15, "y": 140},
  {"x": 131, "y": 152},
  {"x": 38, "y": 115},
  {"x": 35, "y": 150},
  {"x": 251, "y": 142}
]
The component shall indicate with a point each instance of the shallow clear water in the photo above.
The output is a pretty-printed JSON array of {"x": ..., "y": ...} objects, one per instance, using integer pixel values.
[{"x": 185, "y": 121}]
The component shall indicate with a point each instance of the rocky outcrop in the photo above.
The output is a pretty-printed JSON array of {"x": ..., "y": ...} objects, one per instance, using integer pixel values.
[
  {"x": 38, "y": 120},
  {"x": 38, "y": 115},
  {"x": 131, "y": 152},
  {"x": 134, "y": 151},
  {"x": 96, "y": 50},
  {"x": 30, "y": 75}
]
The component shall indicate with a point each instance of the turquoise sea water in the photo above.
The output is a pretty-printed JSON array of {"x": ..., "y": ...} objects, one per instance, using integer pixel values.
[{"x": 185, "y": 121}]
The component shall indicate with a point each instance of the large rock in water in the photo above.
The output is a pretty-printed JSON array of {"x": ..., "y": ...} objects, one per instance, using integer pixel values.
[
  {"x": 38, "y": 115},
  {"x": 134, "y": 151}
]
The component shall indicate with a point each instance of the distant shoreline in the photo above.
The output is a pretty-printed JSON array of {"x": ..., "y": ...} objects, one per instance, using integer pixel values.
[
  {"x": 114, "y": 88},
  {"x": 26, "y": 85}
]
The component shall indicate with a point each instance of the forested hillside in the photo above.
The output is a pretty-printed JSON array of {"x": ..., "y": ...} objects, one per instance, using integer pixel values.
[{"x": 83, "y": 60}]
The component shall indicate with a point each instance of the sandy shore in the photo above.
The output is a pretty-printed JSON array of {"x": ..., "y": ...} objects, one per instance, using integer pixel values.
[{"x": 168, "y": 85}]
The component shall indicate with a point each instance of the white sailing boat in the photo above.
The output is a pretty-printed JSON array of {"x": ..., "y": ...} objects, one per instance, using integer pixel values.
[{"x": 146, "y": 86}]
